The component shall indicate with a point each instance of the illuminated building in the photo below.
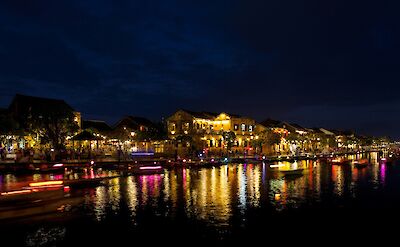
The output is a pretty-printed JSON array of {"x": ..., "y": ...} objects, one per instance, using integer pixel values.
[
  {"x": 206, "y": 130},
  {"x": 137, "y": 134},
  {"x": 284, "y": 130}
]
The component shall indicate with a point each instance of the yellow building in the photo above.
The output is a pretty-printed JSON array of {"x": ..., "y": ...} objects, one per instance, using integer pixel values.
[{"x": 206, "y": 130}]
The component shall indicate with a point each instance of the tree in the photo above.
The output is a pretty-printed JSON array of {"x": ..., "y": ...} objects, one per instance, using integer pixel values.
[
  {"x": 188, "y": 143},
  {"x": 266, "y": 137},
  {"x": 157, "y": 132},
  {"x": 327, "y": 142},
  {"x": 8, "y": 126},
  {"x": 53, "y": 126},
  {"x": 229, "y": 139}
]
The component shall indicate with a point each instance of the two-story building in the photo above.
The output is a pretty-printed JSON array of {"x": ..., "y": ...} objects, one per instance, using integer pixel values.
[{"x": 205, "y": 130}]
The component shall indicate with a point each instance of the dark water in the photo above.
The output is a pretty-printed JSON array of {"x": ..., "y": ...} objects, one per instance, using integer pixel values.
[{"x": 227, "y": 204}]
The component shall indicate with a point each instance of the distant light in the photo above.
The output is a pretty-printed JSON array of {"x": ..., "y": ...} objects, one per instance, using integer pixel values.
[
  {"x": 58, "y": 165},
  {"x": 92, "y": 162},
  {"x": 150, "y": 167}
]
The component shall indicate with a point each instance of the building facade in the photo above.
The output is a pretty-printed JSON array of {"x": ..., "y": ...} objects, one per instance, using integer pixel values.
[{"x": 208, "y": 131}]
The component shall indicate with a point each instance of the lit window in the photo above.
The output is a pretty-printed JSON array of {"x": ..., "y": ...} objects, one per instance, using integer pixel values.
[
  {"x": 235, "y": 127},
  {"x": 186, "y": 126},
  {"x": 250, "y": 128},
  {"x": 243, "y": 127}
]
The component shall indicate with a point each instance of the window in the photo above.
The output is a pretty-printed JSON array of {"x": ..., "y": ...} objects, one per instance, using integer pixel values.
[
  {"x": 243, "y": 127},
  {"x": 235, "y": 127},
  {"x": 172, "y": 127},
  {"x": 250, "y": 128}
]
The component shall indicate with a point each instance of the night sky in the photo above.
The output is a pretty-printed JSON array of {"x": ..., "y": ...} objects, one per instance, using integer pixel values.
[{"x": 331, "y": 63}]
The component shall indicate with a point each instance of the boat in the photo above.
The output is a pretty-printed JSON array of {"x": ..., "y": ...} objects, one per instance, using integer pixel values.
[
  {"x": 292, "y": 172},
  {"x": 85, "y": 182},
  {"x": 388, "y": 160},
  {"x": 360, "y": 163},
  {"x": 34, "y": 193},
  {"x": 238, "y": 160},
  {"x": 50, "y": 168},
  {"x": 211, "y": 163},
  {"x": 147, "y": 169},
  {"x": 339, "y": 161},
  {"x": 182, "y": 163},
  {"x": 37, "y": 199}
]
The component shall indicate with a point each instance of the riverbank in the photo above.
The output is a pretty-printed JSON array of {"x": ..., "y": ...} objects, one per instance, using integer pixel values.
[{"x": 44, "y": 166}]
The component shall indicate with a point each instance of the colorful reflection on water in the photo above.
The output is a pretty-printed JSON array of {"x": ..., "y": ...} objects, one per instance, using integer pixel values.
[{"x": 220, "y": 195}]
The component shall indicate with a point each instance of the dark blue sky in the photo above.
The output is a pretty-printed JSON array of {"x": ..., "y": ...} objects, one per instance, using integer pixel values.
[{"x": 331, "y": 63}]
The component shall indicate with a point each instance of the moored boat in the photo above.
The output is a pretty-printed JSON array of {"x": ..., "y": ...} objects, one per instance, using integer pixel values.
[
  {"x": 147, "y": 169},
  {"x": 53, "y": 168},
  {"x": 388, "y": 160},
  {"x": 292, "y": 172},
  {"x": 360, "y": 163},
  {"x": 211, "y": 163},
  {"x": 339, "y": 161},
  {"x": 85, "y": 182},
  {"x": 182, "y": 163}
]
